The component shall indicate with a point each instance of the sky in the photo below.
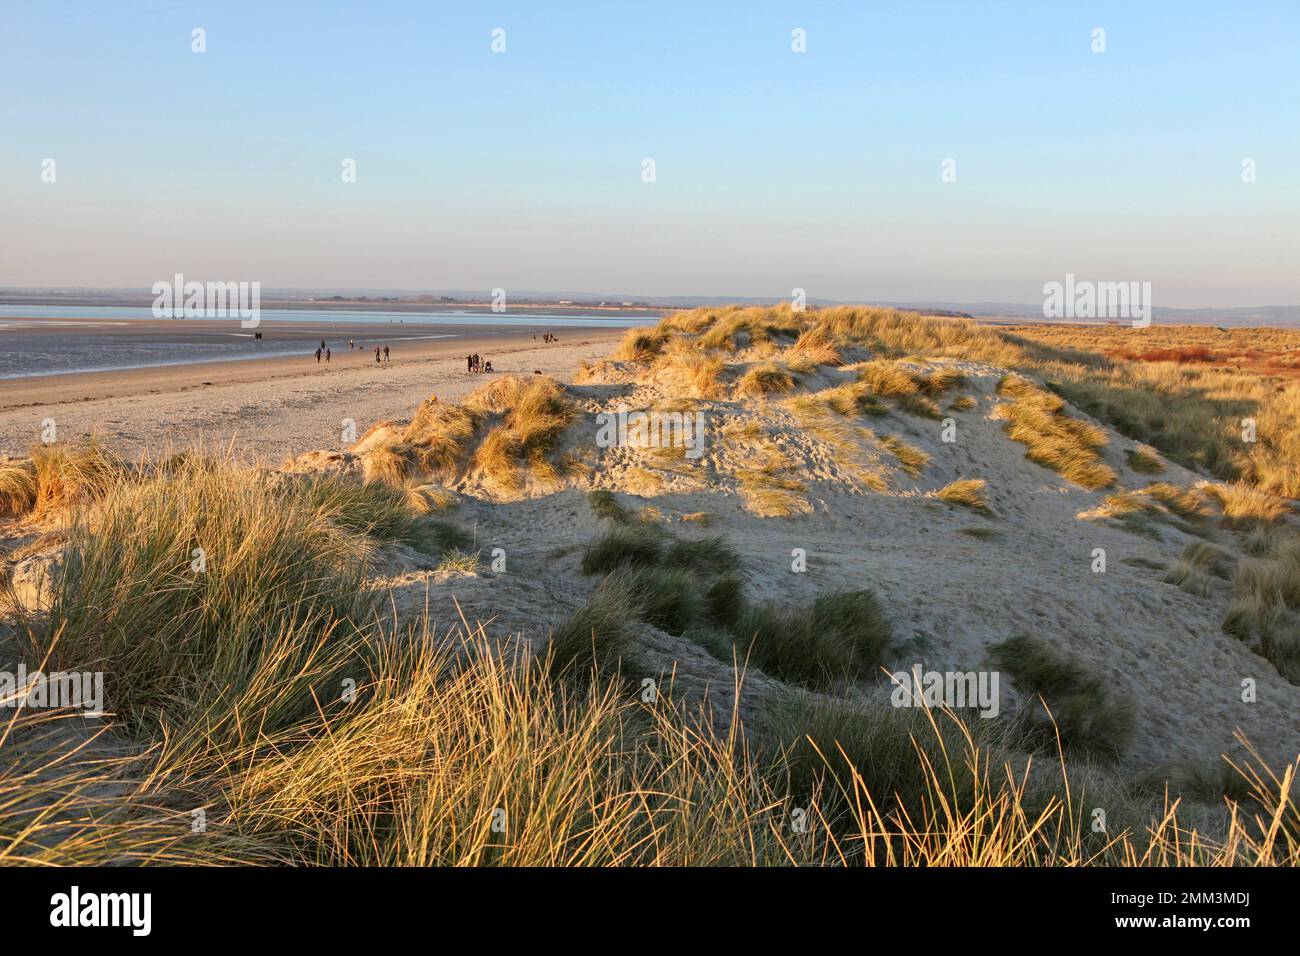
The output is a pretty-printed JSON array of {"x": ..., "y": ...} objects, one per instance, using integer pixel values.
[{"x": 821, "y": 170}]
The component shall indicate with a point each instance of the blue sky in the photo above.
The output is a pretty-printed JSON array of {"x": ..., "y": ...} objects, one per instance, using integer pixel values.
[{"x": 775, "y": 169}]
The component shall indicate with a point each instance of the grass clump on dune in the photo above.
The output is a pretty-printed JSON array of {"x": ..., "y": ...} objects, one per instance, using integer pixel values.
[
  {"x": 1066, "y": 700},
  {"x": 56, "y": 477},
  {"x": 641, "y": 345},
  {"x": 841, "y": 638},
  {"x": 523, "y": 417},
  {"x": 910, "y": 388},
  {"x": 593, "y": 640},
  {"x": 911, "y": 762},
  {"x": 699, "y": 370},
  {"x": 967, "y": 492},
  {"x": 635, "y": 545},
  {"x": 648, "y": 546},
  {"x": 1145, "y": 461},
  {"x": 816, "y": 345},
  {"x": 1035, "y": 417},
  {"x": 1196, "y": 566},
  {"x": 534, "y": 413},
  {"x": 1265, "y": 609},
  {"x": 18, "y": 487},
  {"x": 737, "y": 328},
  {"x": 909, "y": 456},
  {"x": 606, "y": 506},
  {"x": 1244, "y": 504},
  {"x": 816, "y": 417},
  {"x": 182, "y": 586},
  {"x": 761, "y": 381},
  {"x": 664, "y": 597},
  {"x": 671, "y": 583},
  {"x": 439, "y": 435}
]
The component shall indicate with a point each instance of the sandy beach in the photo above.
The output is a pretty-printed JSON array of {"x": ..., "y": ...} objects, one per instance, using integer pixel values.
[{"x": 281, "y": 405}]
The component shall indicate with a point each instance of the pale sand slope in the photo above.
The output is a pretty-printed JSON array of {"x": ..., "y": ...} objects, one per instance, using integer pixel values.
[
  {"x": 271, "y": 408},
  {"x": 949, "y": 595}
]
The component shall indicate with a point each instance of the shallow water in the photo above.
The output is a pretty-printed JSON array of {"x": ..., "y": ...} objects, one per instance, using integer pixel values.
[{"x": 33, "y": 344}]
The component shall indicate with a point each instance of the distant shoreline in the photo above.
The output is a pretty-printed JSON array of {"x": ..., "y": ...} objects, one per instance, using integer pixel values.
[
  {"x": 397, "y": 306},
  {"x": 278, "y": 405}
]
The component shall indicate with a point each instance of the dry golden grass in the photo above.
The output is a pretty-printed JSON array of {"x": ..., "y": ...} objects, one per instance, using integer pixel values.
[
  {"x": 1184, "y": 502},
  {"x": 390, "y": 464},
  {"x": 1196, "y": 414},
  {"x": 700, "y": 371},
  {"x": 66, "y": 474},
  {"x": 534, "y": 412},
  {"x": 55, "y": 478},
  {"x": 430, "y": 499},
  {"x": 1145, "y": 461},
  {"x": 440, "y": 434},
  {"x": 1242, "y": 504},
  {"x": 912, "y": 389},
  {"x": 1199, "y": 415},
  {"x": 1137, "y": 509},
  {"x": 18, "y": 487},
  {"x": 760, "y": 381},
  {"x": 967, "y": 492},
  {"x": 909, "y": 456},
  {"x": 734, "y": 327},
  {"x": 889, "y": 378},
  {"x": 817, "y": 346},
  {"x": 641, "y": 345},
  {"x": 1265, "y": 608},
  {"x": 1036, "y": 418}
]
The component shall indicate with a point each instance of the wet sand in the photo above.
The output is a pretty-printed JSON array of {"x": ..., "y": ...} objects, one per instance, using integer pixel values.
[{"x": 267, "y": 408}]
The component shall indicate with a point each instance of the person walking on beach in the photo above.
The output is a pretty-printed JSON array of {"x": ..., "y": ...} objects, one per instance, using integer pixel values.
[
  {"x": 385, "y": 354},
  {"x": 318, "y": 356},
  {"x": 469, "y": 363},
  {"x": 327, "y": 356},
  {"x": 376, "y": 354},
  {"x": 349, "y": 345}
]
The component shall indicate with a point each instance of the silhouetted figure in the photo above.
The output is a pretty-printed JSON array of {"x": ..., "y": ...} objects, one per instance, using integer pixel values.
[
  {"x": 318, "y": 356},
  {"x": 376, "y": 354},
  {"x": 385, "y": 354},
  {"x": 327, "y": 356}
]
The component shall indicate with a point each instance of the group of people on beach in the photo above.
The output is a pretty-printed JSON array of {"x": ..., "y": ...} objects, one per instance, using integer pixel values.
[
  {"x": 476, "y": 363},
  {"x": 382, "y": 355},
  {"x": 546, "y": 337}
]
